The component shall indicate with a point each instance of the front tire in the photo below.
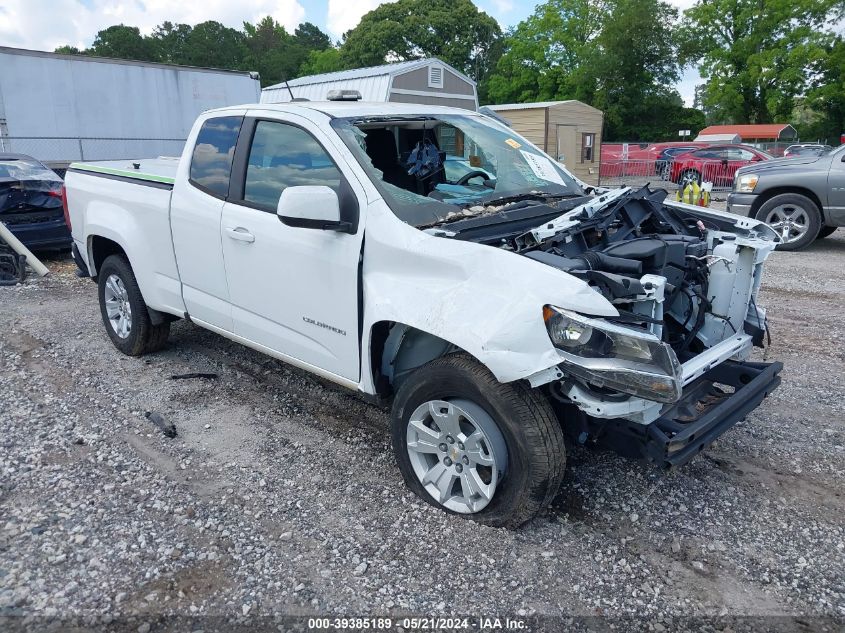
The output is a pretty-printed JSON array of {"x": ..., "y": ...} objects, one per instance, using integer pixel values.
[
  {"x": 124, "y": 312},
  {"x": 473, "y": 446},
  {"x": 794, "y": 217}
]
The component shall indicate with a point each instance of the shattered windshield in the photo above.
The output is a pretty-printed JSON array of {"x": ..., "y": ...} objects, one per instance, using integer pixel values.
[{"x": 432, "y": 169}]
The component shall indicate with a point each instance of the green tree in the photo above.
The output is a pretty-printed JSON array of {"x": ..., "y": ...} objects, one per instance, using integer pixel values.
[
  {"x": 122, "y": 42},
  {"x": 276, "y": 54},
  {"x": 272, "y": 51},
  {"x": 212, "y": 45},
  {"x": 826, "y": 97},
  {"x": 68, "y": 50},
  {"x": 546, "y": 55},
  {"x": 634, "y": 64},
  {"x": 454, "y": 31},
  {"x": 170, "y": 42},
  {"x": 659, "y": 117},
  {"x": 319, "y": 62},
  {"x": 311, "y": 38},
  {"x": 757, "y": 56},
  {"x": 617, "y": 55}
]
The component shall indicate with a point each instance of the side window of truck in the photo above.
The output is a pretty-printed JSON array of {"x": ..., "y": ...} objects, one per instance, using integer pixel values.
[
  {"x": 285, "y": 156},
  {"x": 211, "y": 163}
]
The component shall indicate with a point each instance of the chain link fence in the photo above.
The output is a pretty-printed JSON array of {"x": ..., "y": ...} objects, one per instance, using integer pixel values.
[{"x": 62, "y": 150}]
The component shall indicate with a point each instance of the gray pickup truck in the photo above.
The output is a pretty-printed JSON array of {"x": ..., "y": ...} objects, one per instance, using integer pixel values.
[{"x": 802, "y": 198}]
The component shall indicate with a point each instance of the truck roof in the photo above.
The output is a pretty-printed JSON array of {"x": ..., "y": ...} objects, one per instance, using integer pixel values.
[{"x": 352, "y": 108}]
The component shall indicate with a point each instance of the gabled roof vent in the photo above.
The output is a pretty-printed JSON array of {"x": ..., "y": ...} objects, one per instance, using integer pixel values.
[{"x": 435, "y": 76}]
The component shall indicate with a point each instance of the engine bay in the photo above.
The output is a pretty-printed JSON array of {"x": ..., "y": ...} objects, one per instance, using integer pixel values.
[{"x": 690, "y": 281}]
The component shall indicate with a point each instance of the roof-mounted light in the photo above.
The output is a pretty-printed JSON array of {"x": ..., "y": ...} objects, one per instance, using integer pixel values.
[{"x": 343, "y": 95}]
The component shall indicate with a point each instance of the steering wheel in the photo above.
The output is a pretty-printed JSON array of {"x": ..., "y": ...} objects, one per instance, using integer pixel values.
[{"x": 472, "y": 174}]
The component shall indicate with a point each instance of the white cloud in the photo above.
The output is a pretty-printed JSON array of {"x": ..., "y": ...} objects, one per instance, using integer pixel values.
[
  {"x": 345, "y": 14},
  {"x": 46, "y": 24},
  {"x": 503, "y": 6}
]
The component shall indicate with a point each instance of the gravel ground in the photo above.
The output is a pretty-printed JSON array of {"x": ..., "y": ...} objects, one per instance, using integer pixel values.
[{"x": 280, "y": 495}]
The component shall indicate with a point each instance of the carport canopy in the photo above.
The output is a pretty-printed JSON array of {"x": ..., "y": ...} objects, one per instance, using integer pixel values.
[
  {"x": 753, "y": 132},
  {"x": 718, "y": 138}
]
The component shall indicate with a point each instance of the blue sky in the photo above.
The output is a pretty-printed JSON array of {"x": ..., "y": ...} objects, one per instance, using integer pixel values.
[{"x": 46, "y": 24}]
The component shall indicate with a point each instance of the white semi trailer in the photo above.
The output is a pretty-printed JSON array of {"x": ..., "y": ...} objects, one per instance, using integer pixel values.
[{"x": 61, "y": 108}]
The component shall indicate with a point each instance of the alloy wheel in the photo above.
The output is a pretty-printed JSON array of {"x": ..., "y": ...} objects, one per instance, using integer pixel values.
[
  {"x": 457, "y": 453},
  {"x": 790, "y": 221},
  {"x": 117, "y": 306}
]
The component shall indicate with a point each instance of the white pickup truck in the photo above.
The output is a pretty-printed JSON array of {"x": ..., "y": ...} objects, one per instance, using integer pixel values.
[{"x": 434, "y": 259}]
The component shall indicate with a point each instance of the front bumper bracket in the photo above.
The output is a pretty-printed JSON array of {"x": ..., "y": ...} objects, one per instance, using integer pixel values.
[
  {"x": 706, "y": 410},
  {"x": 709, "y": 407}
]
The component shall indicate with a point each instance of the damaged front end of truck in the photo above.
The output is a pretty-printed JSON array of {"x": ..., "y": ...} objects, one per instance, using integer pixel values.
[
  {"x": 670, "y": 373},
  {"x": 647, "y": 352}
]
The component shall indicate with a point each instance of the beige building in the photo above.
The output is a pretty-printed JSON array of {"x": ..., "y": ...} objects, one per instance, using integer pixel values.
[{"x": 569, "y": 131}]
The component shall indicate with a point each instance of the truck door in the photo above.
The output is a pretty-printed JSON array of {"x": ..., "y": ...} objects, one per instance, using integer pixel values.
[
  {"x": 196, "y": 207},
  {"x": 836, "y": 186},
  {"x": 293, "y": 290}
]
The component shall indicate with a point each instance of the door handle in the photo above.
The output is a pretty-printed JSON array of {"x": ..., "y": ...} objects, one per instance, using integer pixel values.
[{"x": 241, "y": 234}]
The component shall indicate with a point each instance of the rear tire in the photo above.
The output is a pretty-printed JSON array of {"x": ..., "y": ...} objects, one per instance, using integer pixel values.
[
  {"x": 795, "y": 218},
  {"x": 522, "y": 437},
  {"x": 124, "y": 312},
  {"x": 826, "y": 231}
]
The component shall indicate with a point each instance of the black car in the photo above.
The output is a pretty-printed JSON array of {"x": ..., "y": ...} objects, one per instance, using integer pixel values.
[
  {"x": 662, "y": 164},
  {"x": 31, "y": 203}
]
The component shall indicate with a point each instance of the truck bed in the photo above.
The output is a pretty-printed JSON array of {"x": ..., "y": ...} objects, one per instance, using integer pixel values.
[
  {"x": 114, "y": 200},
  {"x": 161, "y": 170}
]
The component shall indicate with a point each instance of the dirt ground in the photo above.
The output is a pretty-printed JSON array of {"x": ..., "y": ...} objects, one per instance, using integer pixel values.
[{"x": 280, "y": 495}]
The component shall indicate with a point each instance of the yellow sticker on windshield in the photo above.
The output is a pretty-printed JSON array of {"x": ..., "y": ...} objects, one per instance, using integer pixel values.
[{"x": 513, "y": 143}]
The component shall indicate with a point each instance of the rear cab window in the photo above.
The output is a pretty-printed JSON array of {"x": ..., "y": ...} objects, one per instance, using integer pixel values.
[{"x": 211, "y": 162}]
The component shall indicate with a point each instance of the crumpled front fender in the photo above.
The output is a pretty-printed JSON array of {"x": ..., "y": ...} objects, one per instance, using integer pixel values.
[{"x": 485, "y": 300}]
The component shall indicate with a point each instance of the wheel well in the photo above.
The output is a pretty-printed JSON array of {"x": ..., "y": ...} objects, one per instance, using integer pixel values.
[
  {"x": 102, "y": 247},
  {"x": 771, "y": 193},
  {"x": 397, "y": 349}
]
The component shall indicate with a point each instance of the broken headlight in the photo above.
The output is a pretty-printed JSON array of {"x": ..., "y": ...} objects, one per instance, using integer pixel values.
[{"x": 615, "y": 357}]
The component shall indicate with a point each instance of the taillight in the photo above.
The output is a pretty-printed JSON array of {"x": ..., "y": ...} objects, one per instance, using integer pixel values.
[{"x": 65, "y": 209}]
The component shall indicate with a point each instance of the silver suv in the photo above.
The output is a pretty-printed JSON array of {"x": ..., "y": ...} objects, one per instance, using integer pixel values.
[{"x": 801, "y": 197}]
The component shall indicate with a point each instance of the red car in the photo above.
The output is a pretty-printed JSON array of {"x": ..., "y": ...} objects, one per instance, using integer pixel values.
[
  {"x": 640, "y": 160},
  {"x": 716, "y": 164}
]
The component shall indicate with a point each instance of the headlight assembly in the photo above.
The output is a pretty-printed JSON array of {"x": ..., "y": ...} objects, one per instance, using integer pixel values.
[
  {"x": 746, "y": 183},
  {"x": 615, "y": 357}
]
